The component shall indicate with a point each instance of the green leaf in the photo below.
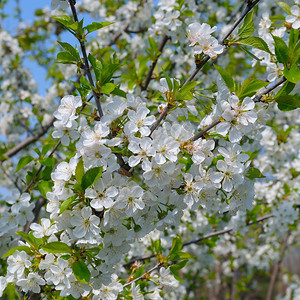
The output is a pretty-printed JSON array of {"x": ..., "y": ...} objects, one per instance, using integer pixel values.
[
  {"x": 65, "y": 57},
  {"x": 293, "y": 74},
  {"x": 107, "y": 88},
  {"x": 288, "y": 102},
  {"x": 57, "y": 247},
  {"x": 66, "y": 204},
  {"x": 107, "y": 72},
  {"x": 29, "y": 238},
  {"x": 255, "y": 42},
  {"x": 226, "y": 77},
  {"x": 253, "y": 173},
  {"x": 19, "y": 248},
  {"x": 285, "y": 89},
  {"x": 48, "y": 162},
  {"x": 119, "y": 92},
  {"x": 286, "y": 8},
  {"x": 71, "y": 50},
  {"x": 23, "y": 162},
  {"x": 96, "y": 65},
  {"x": 250, "y": 87},
  {"x": 81, "y": 272},
  {"x": 64, "y": 20},
  {"x": 175, "y": 269},
  {"x": 188, "y": 87},
  {"x": 97, "y": 25},
  {"x": 85, "y": 83},
  {"x": 79, "y": 171},
  {"x": 281, "y": 50},
  {"x": 176, "y": 247},
  {"x": 45, "y": 187},
  {"x": 247, "y": 27},
  {"x": 10, "y": 291},
  {"x": 293, "y": 38},
  {"x": 91, "y": 176}
]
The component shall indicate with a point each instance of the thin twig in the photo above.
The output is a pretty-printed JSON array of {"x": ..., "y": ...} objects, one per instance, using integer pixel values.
[
  {"x": 207, "y": 236},
  {"x": 144, "y": 275},
  {"x": 11, "y": 152},
  {"x": 256, "y": 99},
  {"x": 86, "y": 63},
  {"x": 269, "y": 89},
  {"x": 150, "y": 72},
  {"x": 276, "y": 268},
  {"x": 205, "y": 59}
]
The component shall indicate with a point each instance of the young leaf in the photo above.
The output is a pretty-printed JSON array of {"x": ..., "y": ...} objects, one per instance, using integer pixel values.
[
  {"x": 57, "y": 247},
  {"x": 175, "y": 249},
  {"x": 253, "y": 173},
  {"x": 29, "y": 238},
  {"x": 19, "y": 248},
  {"x": 255, "y": 42},
  {"x": 107, "y": 88},
  {"x": 286, "y": 89},
  {"x": 175, "y": 269},
  {"x": 23, "y": 162},
  {"x": 91, "y": 176},
  {"x": 66, "y": 204},
  {"x": 286, "y": 8},
  {"x": 64, "y": 20},
  {"x": 281, "y": 50},
  {"x": 247, "y": 27},
  {"x": 250, "y": 87},
  {"x": 79, "y": 171},
  {"x": 288, "y": 102},
  {"x": 96, "y": 65},
  {"x": 45, "y": 187},
  {"x": 293, "y": 74},
  {"x": 65, "y": 57},
  {"x": 81, "y": 272},
  {"x": 226, "y": 77},
  {"x": 71, "y": 50},
  {"x": 97, "y": 25}
]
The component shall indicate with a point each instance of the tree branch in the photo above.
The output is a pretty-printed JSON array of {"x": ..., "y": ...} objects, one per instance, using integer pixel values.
[
  {"x": 144, "y": 275},
  {"x": 150, "y": 72},
  {"x": 256, "y": 99},
  {"x": 200, "y": 239},
  {"x": 86, "y": 62},
  {"x": 269, "y": 89},
  {"x": 277, "y": 267},
  {"x": 205, "y": 59}
]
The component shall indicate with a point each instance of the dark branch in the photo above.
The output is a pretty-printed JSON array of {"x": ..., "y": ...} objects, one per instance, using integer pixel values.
[{"x": 86, "y": 63}]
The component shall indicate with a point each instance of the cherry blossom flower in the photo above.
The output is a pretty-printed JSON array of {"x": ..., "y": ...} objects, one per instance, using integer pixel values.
[
  {"x": 66, "y": 111},
  {"x": 294, "y": 18},
  {"x": 86, "y": 224},
  {"x": 31, "y": 283},
  {"x": 45, "y": 229}
]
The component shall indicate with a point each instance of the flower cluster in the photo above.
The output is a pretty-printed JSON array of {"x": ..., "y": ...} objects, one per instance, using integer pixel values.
[{"x": 202, "y": 41}]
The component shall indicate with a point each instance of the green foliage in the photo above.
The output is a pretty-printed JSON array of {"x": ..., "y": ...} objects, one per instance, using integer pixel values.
[
  {"x": 281, "y": 50},
  {"x": 56, "y": 247},
  {"x": 19, "y": 248},
  {"x": 253, "y": 173},
  {"x": 24, "y": 161},
  {"x": 255, "y": 42},
  {"x": 81, "y": 271},
  {"x": 249, "y": 87},
  {"x": 91, "y": 176},
  {"x": 97, "y": 25},
  {"x": 227, "y": 78},
  {"x": 247, "y": 27},
  {"x": 288, "y": 102}
]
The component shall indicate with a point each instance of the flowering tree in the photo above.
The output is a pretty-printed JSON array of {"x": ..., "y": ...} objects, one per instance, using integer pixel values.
[{"x": 163, "y": 162}]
